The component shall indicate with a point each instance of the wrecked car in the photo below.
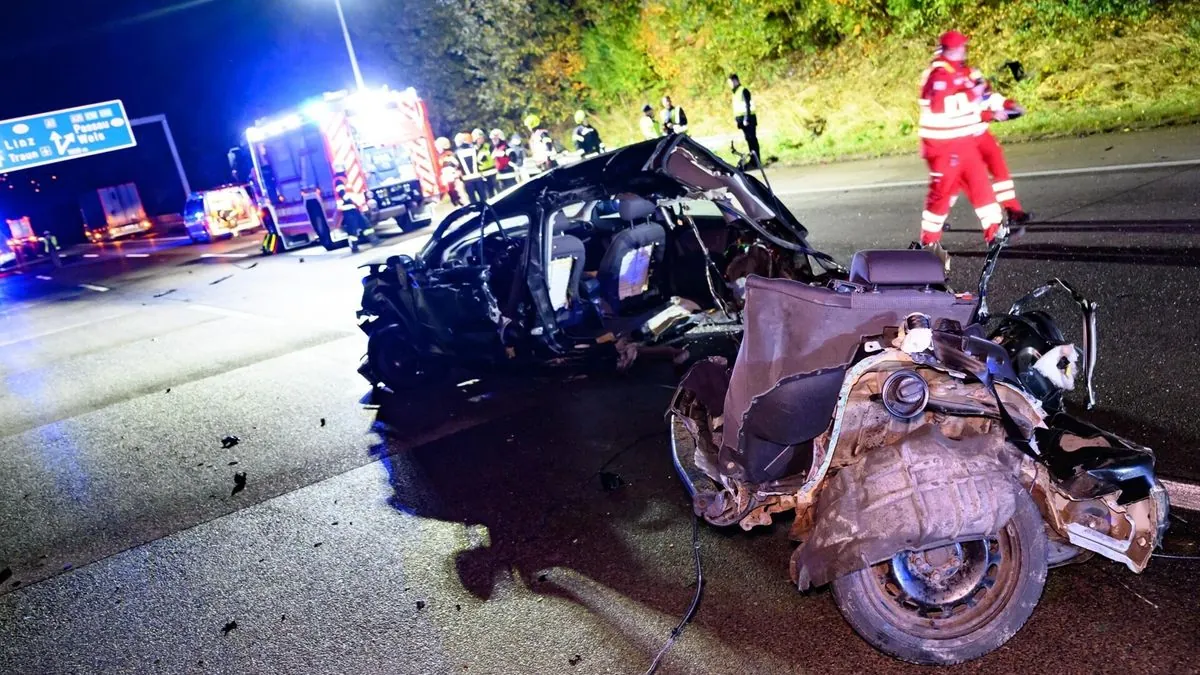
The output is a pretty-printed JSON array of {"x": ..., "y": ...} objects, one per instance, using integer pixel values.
[
  {"x": 627, "y": 253},
  {"x": 924, "y": 447}
]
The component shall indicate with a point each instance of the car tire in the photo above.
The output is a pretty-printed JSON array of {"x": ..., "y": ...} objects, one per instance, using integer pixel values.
[
  {"x": 392, "y": 358},
  {"x": 875, "y": 601}
]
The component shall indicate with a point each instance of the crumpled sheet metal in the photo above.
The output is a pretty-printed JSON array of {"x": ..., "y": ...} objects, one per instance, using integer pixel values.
[{"x": 923, "y": 492}]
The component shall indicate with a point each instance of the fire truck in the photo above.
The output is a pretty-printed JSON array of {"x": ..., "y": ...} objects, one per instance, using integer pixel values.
[{"x": 376, "y": 143}]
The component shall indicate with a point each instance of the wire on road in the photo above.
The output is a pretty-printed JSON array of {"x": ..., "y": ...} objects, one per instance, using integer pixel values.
[{"x": 691, "y": 612}]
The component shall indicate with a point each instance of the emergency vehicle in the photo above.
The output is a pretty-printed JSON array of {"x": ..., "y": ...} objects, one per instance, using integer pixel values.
[
  {"x": 228, "y": 210},
  {"x": 17, "y": 237},
  {"x": 110, "y": 213},
  {"x": 377, "y": 143}
]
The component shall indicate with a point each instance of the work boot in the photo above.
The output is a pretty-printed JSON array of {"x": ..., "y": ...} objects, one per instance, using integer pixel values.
[
  {"x": 994, "y": 232},
  {"x": 937, "y": 249},
  {"x": 1017, "y": 217}
]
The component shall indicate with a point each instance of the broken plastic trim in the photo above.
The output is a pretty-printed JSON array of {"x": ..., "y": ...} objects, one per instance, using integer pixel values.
[{"x": 1088, "y": 309}]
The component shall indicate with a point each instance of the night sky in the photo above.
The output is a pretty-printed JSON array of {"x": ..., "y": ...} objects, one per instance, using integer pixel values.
[{"x": 211, "y": 66}]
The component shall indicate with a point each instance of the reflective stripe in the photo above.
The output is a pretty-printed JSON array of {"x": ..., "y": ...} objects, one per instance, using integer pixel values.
[
  {"x": 953, "y": 200},
  {"x": 948, "y": 134},
  {"x": 933, "y": 217},
  {"x": 1003, "y": 185},
  {"x": 989, "y": 215},
  {"x": 930, "y": 226},
  {"x": 1006, "y": 196}
]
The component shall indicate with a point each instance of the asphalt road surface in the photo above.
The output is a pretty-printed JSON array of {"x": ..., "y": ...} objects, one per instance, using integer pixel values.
[{"x": 467, "y": 531}]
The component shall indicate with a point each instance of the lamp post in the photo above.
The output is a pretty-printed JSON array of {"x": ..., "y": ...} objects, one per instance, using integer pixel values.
[{"x": 358, "y": 78}]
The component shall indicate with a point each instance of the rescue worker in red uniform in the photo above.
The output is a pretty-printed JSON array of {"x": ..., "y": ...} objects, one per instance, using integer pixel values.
[
  {"x": 993, "y": 156},
  {"x": 952, "y": 117}
]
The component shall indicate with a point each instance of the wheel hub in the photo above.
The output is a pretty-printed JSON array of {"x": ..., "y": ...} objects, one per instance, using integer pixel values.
[{"x": 943, "y": 576}]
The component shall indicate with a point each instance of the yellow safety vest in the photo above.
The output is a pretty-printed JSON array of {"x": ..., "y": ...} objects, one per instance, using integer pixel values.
[{"x": 739, "y": 102}]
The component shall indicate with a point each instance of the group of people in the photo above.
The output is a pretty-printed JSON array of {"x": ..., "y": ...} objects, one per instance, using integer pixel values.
[
  {"x": 957, "y": 105},
  {"x": 672, "y": 119},
  {"x": 476, "y": 166}
]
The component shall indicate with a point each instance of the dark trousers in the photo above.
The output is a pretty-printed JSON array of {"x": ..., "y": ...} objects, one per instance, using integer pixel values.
[
  {"x": 491, "y": 185},
  {"x": 749, "y": 127},
  {"x": 476, "y": 190}
]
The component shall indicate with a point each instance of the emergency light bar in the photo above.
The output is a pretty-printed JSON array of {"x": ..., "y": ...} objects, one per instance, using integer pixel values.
[{"x": 366, "y": 102}]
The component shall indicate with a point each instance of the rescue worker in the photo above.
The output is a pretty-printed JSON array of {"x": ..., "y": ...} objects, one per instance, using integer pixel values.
[
  {"x": 450, "y": 171},
  {"x": 517, "y": 155},
  {"x": 464, "y": 150},
  {"x": 648, "y": 124},
  {"x": 585, "y": 136},
  {"x": 506, "y": 169},
  {"x": 745, "y": 117},
  {"x": 952, "y": 116},
  {"x": 51, "y": 243},
  {"x": 674, "y": 120},
  {"x": 541, "y": 145},
  {"x": 1002, "y": 109},
  {"x": 486, "y": 159},
  {"x": 353, "y": 222}
]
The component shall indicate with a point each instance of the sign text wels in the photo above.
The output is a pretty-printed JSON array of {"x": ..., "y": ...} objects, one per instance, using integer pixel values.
[{"x": 35, "y": 140}]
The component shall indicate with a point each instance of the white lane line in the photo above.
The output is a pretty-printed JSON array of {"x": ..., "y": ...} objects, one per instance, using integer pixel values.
[
  {"x": 43, "y": 277},
  {"x": 91, "y": 255},
  {"x": 226, "y": 255},
  {"x": 93, "y": 287},
  {"x": 1026, "y": 174},
  {"x": 137, "y": 255},
  {"x": 1182, "y": 495},
  {"x": 74, "y": 326}
]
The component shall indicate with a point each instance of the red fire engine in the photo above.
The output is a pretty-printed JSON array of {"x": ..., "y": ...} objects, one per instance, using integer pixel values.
[{"x": 376, "y": 143}]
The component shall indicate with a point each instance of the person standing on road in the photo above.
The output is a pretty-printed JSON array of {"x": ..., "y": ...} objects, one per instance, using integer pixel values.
[
  {"x": 51, "y": 243},
  {"x": 1002, "y": 109},
  {"x": 745, "y": 117},
  {"x": 468, "y": 161},
  {"x": 541, "y": 144},
  {"x": 674, "y": 120},
  {"x": 485, "y": 158},
  {"x": 952, "y": 116},
  {"x": 506, "y": 170},
  {"x": 649, "y": 126},
  {"x": 585, "y": 136},
  {"x": 451, "y": 171}
]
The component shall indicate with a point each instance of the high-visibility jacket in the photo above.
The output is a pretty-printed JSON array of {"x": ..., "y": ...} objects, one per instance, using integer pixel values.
[
  {"x": 468, "y": 161},
  {"x": 951, "y": 105},
  {"x": 674, "y": 120},
  {"x": 649, "y": 127},
  {"x": 743, "y": 103},
  {"x": 485, "y": 160}
]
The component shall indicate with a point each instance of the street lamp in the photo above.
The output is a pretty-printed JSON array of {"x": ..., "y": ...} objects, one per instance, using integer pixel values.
[{"x": 358, "y": 78}]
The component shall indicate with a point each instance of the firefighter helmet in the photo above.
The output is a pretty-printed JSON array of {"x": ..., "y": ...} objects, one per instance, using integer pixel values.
[
  {"x": 580, "y": 116},
  {"x": 496, "y": 135},
  {"x": 442, "y": 143},
  {"x": 462, "y": 138},
  {"x": 532, "y": 121},
  {"x": 477, "y": 134}
]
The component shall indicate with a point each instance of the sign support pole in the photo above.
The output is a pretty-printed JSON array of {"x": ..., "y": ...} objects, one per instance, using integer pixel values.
[{"x": 162, "y": 119}]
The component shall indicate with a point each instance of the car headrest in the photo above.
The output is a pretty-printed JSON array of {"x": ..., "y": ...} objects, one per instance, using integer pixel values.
[
  {"x": 633, "y": 207},
  {"x": 903, "y": 267}
]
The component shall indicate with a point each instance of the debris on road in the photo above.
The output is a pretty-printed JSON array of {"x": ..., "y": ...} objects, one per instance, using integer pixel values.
[
  {"x": 233, "y": 464},
  {"x": 239, "y": 482},
  {"x": 228, "y": 627},
  {"x": 229, "y": 441},
  {"x": 318, "y": 544},
  {"x": 420, "y": 605},
  {"x": 574, "y": 660},
  {"x": 164, "y": 293},
  {"x": 214, "y": 283},
  {"x": 5, "y": 574},
  {"x": 168, "y": 390},
  {"x": 302, "y": 260},
  {"x": 322, "y": 421},
  {"x": 458, "y": 608},
  {"x": 610, "y": 482}
]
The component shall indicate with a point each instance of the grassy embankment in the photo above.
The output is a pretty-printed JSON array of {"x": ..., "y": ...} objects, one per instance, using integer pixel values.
[{"x": 859, "y": 98}]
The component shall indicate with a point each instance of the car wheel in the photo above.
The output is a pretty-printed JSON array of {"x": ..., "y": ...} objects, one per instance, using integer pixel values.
[
  {"x": 392, "y": 358},
  {"x": 954, "y": 603}
]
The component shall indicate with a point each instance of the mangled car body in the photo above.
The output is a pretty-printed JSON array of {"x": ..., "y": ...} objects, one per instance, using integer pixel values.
[
  {"x": 924, "y": 447},
  {"x": 638, "y": 247}
]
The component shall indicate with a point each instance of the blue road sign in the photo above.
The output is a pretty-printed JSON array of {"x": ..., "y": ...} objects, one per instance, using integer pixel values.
[{"x": 35, "y": 140}]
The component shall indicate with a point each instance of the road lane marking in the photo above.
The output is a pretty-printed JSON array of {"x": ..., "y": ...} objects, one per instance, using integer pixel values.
[
  {"x": 43, "y": 277},
  {"x": 137, "y": 255},
  {"x": 91, "y": 255},
  {"x": 93, "y": 287},
  {"x": 74, "y": 326},
  {"x": 226, "y": 255},
  {"x": 1182, "y": 495},
  {"x": 1026, "y": 174}
]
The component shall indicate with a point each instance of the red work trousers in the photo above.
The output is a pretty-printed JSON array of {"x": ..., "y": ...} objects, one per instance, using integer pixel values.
[{"x": 953, "y": 165}]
